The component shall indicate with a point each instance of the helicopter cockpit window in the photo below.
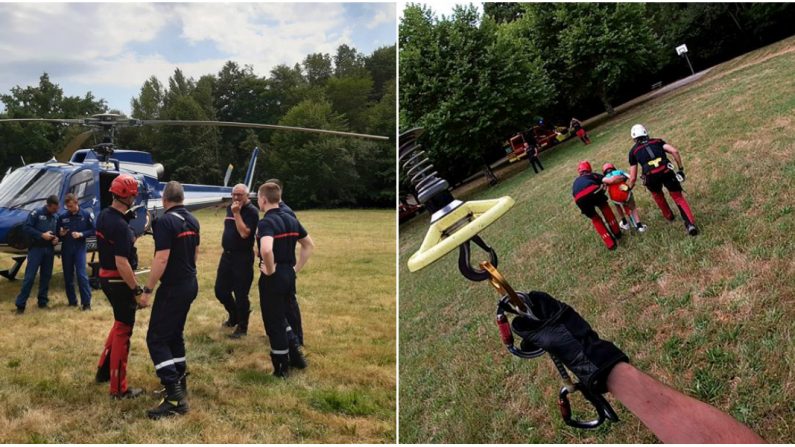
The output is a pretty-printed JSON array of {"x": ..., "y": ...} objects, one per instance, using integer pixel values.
[
  {"x": 82, "y": 185},
  {"x": 28, "y": 189}
]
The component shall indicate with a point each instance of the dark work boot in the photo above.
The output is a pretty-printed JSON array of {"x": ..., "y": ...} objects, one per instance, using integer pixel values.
[
  {"x": 231, "y": 321},
  {"x": 183, "y": 380},
  {"x": 281, "y": 367},
  {"x": 242, "y": 327},
  {"x": 297, "y": 359},
  {"x": 174, "y": 403}
]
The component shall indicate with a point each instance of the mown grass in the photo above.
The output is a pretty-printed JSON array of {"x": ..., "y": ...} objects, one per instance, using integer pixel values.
[
  {"x": 347, "y": 298},
  {"x": 711, "y": 316}
]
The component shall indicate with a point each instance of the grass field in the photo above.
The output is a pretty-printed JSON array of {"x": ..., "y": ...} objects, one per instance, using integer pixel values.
[
  {"x": 713, "y": 316},
  {"x": 347, "y": 298}
]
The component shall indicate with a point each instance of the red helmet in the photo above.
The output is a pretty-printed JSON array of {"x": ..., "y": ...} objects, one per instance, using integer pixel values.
[
  {"x": 584, "y": 166},
  {"x": 607, "y": 167},
  {"x": 124, "y": 186}
]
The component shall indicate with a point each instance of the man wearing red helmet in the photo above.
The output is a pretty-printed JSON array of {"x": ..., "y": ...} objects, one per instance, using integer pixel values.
[
  {"x": 589, "y": 194},
  {"x": 117, "y": 260}
]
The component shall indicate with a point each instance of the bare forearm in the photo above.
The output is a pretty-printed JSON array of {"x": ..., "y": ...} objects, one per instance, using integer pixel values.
[
  {"x": 126, "y": 272},
  {"x": 268, "y": 262},
  {"x": 241, "y": 227},
  {"x": 158, "y": 267},
  {"x": 307, "y": 247},
  {"x": 672, "y": 416},
  {"x": 306, "y": 252}
]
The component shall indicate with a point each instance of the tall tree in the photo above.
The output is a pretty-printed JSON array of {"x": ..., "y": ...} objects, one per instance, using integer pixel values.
[
  {"x": 382, "y": 66},
  {"x": 468, "y": 83},
  {"x": 317, "y": 67},
  {"x": 40, "y": 141},
  {"x": 348, "y": 62}
]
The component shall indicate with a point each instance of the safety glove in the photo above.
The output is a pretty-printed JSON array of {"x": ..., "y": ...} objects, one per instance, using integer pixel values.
[{"x": 563, "y": 333}]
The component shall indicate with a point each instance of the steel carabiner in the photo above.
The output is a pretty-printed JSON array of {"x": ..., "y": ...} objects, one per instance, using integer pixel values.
[
  {"x": 465, "y": 266},
  {"x": 600, "y": 404}
]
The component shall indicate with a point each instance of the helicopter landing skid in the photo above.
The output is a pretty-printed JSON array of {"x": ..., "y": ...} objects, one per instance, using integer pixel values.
[{"x": 11, "y": 274}]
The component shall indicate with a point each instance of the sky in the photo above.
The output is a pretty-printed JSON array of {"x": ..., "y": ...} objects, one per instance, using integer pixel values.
[
  {"x": 110, "y": 49},
  {"x": 441, "y": 7}
]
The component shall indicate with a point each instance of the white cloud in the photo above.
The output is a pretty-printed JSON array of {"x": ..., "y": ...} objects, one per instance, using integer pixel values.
[
  {"x": 76, "y": 31},
  {"x": 89, "y": 44}
]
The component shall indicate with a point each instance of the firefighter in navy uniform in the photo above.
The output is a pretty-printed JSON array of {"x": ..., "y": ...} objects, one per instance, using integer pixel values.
[
  {"x": 277, "y": 235},
  {"x": 236, "y": 268},
  {"x": 589, "y": 194},
  {"x": 177, "y": 239},
  {"x": 295, "y": 327},
  {"x": 657, "y": 171},
  {"x": 117, "y": 261}
]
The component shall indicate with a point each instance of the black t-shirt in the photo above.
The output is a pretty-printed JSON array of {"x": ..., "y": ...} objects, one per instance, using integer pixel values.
[
  {"x": 285, "y": 230},
  {"x": 649, "y": 154},
  {"x": 586, "y": 184},
  {"x": 283, "y": 206},
  {"x": 231, "y": 240},
  {"x": 114, "y": 238},
  {"x": 177, "y": 231}
]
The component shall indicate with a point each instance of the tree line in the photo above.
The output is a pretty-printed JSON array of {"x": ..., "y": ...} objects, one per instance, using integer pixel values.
[
  {"x": 347, "y": 91},
  {"x": 473, "y": 79}
]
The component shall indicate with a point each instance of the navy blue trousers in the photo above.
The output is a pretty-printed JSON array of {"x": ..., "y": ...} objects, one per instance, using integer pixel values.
[
  {"x": 38, "y": 258},
  {"x": 166, "y": 326},
  {"x": 74, "y": 263}
]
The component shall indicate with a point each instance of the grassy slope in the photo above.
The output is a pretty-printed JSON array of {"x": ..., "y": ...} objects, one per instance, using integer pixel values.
[
  {"x": 712, "y": 316},
  {"x": 347, "y": 395}
]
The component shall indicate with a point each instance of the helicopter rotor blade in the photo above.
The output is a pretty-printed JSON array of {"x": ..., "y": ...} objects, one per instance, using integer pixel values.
[
  {"x": 43, "y": 120},
  {"x": 260, "y": 126},
  {"x": 73, "y": 145}
]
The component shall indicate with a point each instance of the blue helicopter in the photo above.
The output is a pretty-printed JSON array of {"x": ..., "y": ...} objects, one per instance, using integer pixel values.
[{"x": 89, "y": 172}]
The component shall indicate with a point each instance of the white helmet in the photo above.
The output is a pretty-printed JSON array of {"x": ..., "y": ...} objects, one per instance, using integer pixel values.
[{"x": 638, "y": 131}]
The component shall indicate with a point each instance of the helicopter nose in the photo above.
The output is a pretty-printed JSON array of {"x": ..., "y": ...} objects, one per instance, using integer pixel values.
[{"x": 11, "y": 220}]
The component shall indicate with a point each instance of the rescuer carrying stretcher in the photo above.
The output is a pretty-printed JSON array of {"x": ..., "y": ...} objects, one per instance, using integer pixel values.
[{"x": 589, "y": 194}]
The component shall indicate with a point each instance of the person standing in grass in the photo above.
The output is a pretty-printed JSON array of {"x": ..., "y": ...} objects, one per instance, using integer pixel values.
[
  {"x": 74, "y": 226},
  {"x": 657, "y": 172},
  {"x": 118, "y": 261},
  {"x": 40, "y": 227},
  {"x": 277, "y": 235},
  {"x": 576, "y": 126},
  {"x": 621, "y": 196},
  {"x": 589, "y": 194},
  {"x": 295, "y": 327},
  {"x": 177, "y": 240},
  {"x": 236, "y": 267}
]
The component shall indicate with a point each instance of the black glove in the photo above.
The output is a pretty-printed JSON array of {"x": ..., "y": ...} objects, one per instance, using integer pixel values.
[{"x": 563, "y": 333}]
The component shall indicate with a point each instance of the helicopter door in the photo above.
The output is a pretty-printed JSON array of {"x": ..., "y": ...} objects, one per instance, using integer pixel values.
[{"x": 82, "y": 185}]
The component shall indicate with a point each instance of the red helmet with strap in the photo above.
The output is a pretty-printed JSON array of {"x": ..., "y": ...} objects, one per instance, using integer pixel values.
[
  {"x": 607, "y": 167},
  {"x": 584, "y": 166},
  {"x": 124, "y": 186}
]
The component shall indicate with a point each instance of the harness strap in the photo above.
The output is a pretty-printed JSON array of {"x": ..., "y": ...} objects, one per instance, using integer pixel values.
[{"x": 586, "y": 191}]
